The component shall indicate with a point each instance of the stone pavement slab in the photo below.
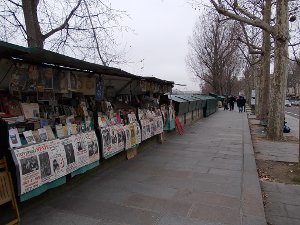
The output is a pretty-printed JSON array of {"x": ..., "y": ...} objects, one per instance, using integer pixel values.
[
  {"x": 284, "y": 151},
  {"x": 205, "y": 177},
  {"x": 283, "y": 203}
]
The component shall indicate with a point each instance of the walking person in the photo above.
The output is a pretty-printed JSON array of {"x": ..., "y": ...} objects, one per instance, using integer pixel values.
[
  {"x": 231, "y": 102},
  {"x": 244, "y": 104},
  {"x": 240, "y": 104},
  {"x": 225, "y": 103}
]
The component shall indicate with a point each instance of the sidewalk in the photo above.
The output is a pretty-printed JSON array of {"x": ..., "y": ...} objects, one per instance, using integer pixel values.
[{"x": 205, "y": 177}]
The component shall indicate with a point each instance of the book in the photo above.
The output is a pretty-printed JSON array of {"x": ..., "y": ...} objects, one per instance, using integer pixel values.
[
  {"x": 36, "y": 136},
  {"x": 29, "y": 137},
  {"x": 14, "y": 138},
  {"x": 50, "y": 133},
  {"x": 43, "y": 134}
]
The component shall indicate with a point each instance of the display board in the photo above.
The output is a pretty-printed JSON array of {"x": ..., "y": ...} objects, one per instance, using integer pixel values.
[{"x": 42, "y": 163}]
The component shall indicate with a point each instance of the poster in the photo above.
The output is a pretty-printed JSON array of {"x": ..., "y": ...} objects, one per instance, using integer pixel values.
[
  {"x": 30, "y": 110},
  {"x": 106, "y": 141},
  {"x": 45, "y": 79},
  {"x": 88, "y": 85},
  {"x": 29, "y": 169},
  {"x": 121, "y": 138},
  {"x": 114, "y": 138},
  {"x": 127, "y": 137},
  {"x": 42, "y": 163},
  {"x": 81, "y": 150},
  {"x": 92, "y": 146},
  {"x": 70, "y": 154},
  {"x": 61, "y": 81},
  {"x": 138, "y": 133}
]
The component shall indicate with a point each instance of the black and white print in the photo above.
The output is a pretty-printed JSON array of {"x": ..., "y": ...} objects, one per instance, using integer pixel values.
[
  {"x": 69, "y": 153},
  {"x": 29, "y": 164},
  {"x": 45, "y": 164}
]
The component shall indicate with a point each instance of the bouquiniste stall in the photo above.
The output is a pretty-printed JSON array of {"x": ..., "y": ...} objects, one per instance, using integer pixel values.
[{"x": 60, "y": 116}]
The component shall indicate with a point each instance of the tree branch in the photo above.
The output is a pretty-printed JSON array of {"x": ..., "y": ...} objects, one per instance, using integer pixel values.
[
  {"x": 254, "y": 22},
  {"x": 65, "y": 23},
  {"x": 16, "y": 4}
]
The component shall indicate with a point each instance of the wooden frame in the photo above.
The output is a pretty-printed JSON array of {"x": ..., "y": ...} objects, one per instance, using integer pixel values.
[{"x": 7, "y": 194}]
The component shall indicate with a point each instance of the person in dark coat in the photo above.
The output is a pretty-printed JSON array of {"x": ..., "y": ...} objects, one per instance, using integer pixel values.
[
  {"x": 225, "y": 103},
  {"x": 240, "y": 103},
  {"x": 244, "y": 104},
  {"x": 231, "y": 103}
]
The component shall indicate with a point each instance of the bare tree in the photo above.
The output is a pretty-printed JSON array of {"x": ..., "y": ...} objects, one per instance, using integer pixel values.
[
  {"x": 214, "y": 55},
  {"x": 84, "y": 29},
  {"x": 279, "y": 29}
]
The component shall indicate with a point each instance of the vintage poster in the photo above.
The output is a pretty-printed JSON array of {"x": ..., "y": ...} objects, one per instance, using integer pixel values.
[
  {"x": 44, "y": 152},
  {"x": 106, "y": 141},
  {"x": 138, "y": 133},
  {"x": 121, "y": 138},
  {"x": 45, "y": 79},
  {"x": 14, "y": 138},
  {"x": 30, "y": 110},
  {"x": 70, "y": 154},
  {"x": 114, "y": 139},
  {"x": 29, "y": 170},
  {"x": 80, "y": 150},
  {"x": 88, "y": 85},
  {"x": 92, "y": 146},
  {"x": 131, "y": 118},
  {"x": 61, "y": 81},
  {"x": 58, "y": 160}
]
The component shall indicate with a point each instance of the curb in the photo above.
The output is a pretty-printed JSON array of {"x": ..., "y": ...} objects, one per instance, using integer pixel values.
[{"x": 252, "y": 209}]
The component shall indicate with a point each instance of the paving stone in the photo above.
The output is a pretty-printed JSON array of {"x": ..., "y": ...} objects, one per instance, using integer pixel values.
[
  {"x": 216, "y": 214},
  {"x": 293, "y": 211},
  {"x": 160, "y": 205},
  {"x": 60, "y": 217},
  {"x": 107, "y": 211},
  {"x": 176, "y": 220},
  {"x": 278, "y": 220},
  {"x": 225, "y": 172},
  {"x": 253, "y": 220},
  {"x": 276, "y": 209},
  {"x": 208, "y": 198}
]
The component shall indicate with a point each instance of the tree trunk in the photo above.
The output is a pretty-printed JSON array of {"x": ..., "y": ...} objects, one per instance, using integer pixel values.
[
  {"x": 265, "y": 70},
  {"x": 257, "y": 80},
  {"x": 34, "y": 34},
  {"x": 276, "y": 113}
]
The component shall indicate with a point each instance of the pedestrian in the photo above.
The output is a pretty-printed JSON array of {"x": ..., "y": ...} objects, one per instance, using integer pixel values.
[
  {"x": 244, "y": 104},
  {"x": 239, "y": 103},
  {"x": 231, "y": 102},
  {"x": 225, "y": 103}
]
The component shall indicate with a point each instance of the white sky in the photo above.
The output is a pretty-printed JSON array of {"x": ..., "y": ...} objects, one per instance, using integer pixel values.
[{"x": 160, "y": 37}]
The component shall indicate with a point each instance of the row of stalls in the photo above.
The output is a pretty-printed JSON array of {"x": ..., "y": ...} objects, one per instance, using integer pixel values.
[
  {"x": 189, "y": 108},
  {"x": 60, "y": 117}
]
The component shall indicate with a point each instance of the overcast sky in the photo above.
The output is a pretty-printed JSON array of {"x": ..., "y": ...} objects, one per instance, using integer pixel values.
[{"x": 160, "y": 37}]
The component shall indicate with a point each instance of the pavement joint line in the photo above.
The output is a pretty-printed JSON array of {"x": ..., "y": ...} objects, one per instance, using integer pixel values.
[{"x": 190, "y": 210}]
